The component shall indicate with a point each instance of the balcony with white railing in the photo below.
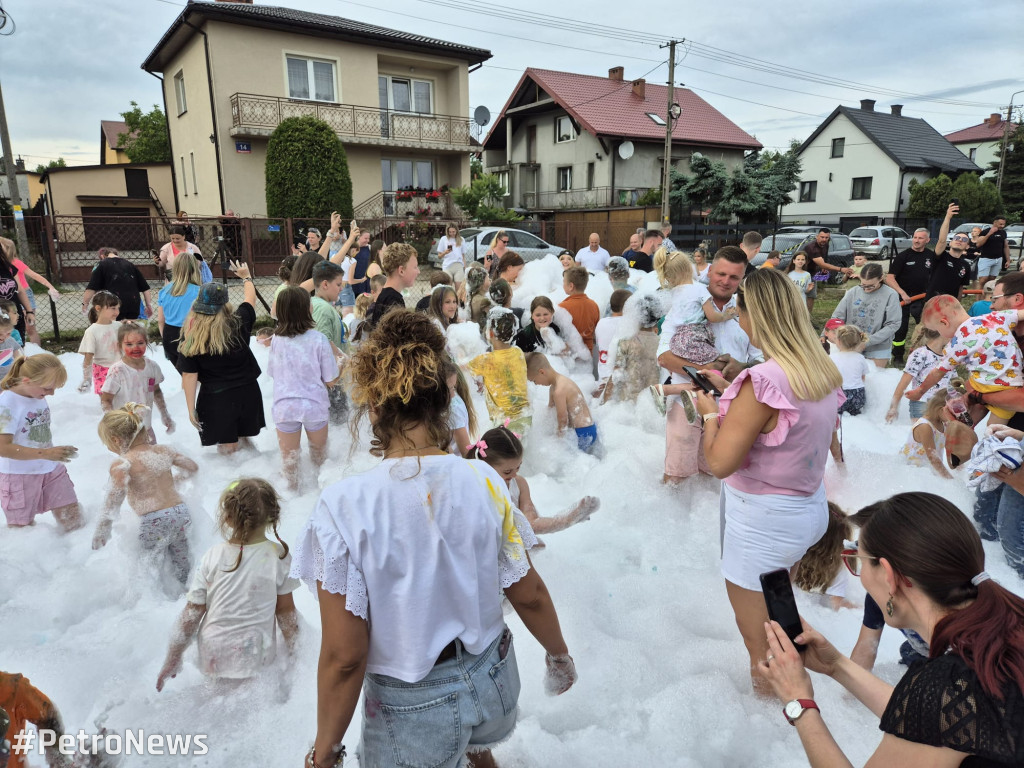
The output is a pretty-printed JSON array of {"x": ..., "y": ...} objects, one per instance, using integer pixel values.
[{"x": 254, "y": 116}]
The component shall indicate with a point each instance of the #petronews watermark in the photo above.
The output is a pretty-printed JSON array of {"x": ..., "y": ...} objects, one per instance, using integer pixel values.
[{"x": 133, "y": 742}]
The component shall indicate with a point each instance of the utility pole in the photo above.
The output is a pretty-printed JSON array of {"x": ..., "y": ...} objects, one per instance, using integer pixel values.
[
  {"x": 1006, "y": 139},
  {"x": 12, "y": 182},
  {"x": 671, "y": 115}
]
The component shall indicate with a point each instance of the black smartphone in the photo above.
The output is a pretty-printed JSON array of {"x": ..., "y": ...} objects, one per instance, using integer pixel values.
[
  {"x": 778, "y": 596},
  {"x": 955, "y": 201},
  {"x": 701, "y": 381}
]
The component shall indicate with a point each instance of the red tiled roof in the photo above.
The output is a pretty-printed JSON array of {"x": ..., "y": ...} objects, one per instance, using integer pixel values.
[
  {"x": 985, "y": 131},
  {"x": 610, "y": 108},
  {"x": 111, "y": 130}
]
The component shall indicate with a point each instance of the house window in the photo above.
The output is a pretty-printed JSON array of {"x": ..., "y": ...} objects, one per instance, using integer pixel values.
[
  {"x": 195, "y": 184},
  {"x": 503, "y": 181},
  {"x": 972, "y": 154},
  {"x": 403, "y": 94},
  {"x": 400, "y": 174},
  {"x": 808, "y": 191},
  {"x": 310, "y": 79},
  {"x": 564, "y": 130},
  {"x": 838, "y": 145},
  {"x": 658, "y": 119},
  {"x": 861, "y": 188},
  {"x": 184, "y": 177},
  {"x": 179, "y": 92},
  {"x": 565, "y": 178},
  {"x": 590, "y": 175}
]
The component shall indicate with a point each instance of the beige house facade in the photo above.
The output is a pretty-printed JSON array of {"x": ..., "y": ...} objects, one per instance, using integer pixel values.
[
  {"x": 232, "y": 72},
  {"x": 133, "y": 190}
]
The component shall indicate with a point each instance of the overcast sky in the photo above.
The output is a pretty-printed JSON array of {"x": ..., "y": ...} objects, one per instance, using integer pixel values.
[{"x": 71, "y": 63}]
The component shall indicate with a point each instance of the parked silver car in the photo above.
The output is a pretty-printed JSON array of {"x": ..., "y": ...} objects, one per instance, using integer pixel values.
[
  {"x": 476, "y": 241},
  {"x": 877, "y": 242}
]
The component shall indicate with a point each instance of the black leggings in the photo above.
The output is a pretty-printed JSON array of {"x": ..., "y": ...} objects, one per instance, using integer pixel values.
[{"x": 171, "y": 337}]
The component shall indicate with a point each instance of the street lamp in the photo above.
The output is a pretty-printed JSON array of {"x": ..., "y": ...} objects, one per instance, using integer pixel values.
[{"x": 1002, "y": 154}]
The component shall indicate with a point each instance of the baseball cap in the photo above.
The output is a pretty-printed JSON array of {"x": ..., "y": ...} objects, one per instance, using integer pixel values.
[
  {"x": 212, "y": 296},
  {"x": 834, "y": 323}
]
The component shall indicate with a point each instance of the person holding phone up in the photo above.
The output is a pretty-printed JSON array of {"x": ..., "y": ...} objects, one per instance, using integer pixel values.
[
  {"x": 920, "y": 557},
  {"x": 768, "y": 440}
]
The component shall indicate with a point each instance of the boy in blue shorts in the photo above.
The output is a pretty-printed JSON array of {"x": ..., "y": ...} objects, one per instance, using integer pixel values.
[{"x": 567, "y": 400}]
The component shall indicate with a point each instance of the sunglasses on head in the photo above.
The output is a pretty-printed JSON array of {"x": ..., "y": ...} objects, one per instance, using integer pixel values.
[{"x": 852, "y": 560}]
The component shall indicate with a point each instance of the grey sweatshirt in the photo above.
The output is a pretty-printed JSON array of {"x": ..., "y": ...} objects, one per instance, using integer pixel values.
[{"x": 877, "y": 313}]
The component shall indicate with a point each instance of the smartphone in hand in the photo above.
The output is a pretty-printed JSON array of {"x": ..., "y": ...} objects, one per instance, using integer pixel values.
[
  {"x": 701, "y": 381},
  {"x": 778, "y": 596}
]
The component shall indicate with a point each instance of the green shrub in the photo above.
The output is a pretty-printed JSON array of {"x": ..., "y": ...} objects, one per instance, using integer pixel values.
[{"x": 307, "y": 172}]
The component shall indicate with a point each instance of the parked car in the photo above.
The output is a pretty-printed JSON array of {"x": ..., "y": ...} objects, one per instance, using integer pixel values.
[
  {"x": 840, "y": 250},
  {"x": 877, "y": 242},
  {"x": 965, "y": 229},
  {"x": 816, "y": 228},
  {"x": 476, "y": 241}
]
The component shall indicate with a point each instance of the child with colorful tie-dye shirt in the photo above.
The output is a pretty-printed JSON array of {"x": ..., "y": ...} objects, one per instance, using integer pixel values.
[{"x": 985, "y": 345}]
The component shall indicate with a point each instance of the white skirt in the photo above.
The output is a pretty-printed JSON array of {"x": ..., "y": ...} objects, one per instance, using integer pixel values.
[{"x": 763, "y": 532}]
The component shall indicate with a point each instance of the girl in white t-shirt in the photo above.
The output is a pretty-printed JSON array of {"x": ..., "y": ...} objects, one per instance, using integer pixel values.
[
  {"x": 99, "y": 342},
  {"x": 33, "y": 479},
  {"x": 851, "y": 340},
  {"x": 136, "y": 378},
  {"x": 693, "y": 309},
  {"x": 919, "y": 365},
  {"x": 797, "y": 272},
  {"x": 461, "y": 414},
  {"x": 453, "y": 261},
  {"x": 240, "y": 593}
]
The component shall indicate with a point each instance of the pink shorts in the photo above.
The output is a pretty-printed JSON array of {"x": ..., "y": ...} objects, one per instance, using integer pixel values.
[
  {"x": 25, "y": 496},
  {"x": 99, "y": 375},
  {"x": 684, "y": 451}
]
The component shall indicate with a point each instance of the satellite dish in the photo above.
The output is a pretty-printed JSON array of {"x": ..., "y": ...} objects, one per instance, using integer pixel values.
[
  {"x": 481, "y": 116},
  {"x": 626, "y": 150}
]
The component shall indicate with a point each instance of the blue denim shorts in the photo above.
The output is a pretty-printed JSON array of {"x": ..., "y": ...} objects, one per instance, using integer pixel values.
[
  {"x": 347, "y": 297},
  {"x": 465, "y": 703}
]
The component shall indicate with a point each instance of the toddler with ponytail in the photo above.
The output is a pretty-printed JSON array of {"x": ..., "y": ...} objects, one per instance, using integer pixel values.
[{"x": 240, "y": 593}]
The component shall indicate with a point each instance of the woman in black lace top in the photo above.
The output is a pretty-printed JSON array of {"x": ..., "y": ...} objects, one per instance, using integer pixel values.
[{"x": 920, "y": 557}]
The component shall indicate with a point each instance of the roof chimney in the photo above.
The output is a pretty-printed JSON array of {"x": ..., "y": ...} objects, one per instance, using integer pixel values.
[
  {"x": 868, "y": 105},
  {"x": 20, "y": 163},
  {"x": 897, "y": 109},
  {"x": 640, "y": 88},
  {"x": 616, "y": 73},
  {"x": 994, "y": 119}
]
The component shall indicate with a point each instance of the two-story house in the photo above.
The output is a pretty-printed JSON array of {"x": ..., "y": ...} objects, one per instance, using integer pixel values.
[
  {"x": 981, "y": 143},
  {"x": 564, "y": 140},
  {"x": 232, "y": 71},
  {"x": 111, "y": 151},
  {"x": 858, "y": 164}
]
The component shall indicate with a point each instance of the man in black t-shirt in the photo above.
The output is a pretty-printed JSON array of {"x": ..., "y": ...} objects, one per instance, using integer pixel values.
[
  {"x": 123, "y": 279},
  {"x": 995, "y": 250},
  {"x": 908, "y": 276},
  {"x": 643, "y": 258},
  {"x": 950, "y": 270}
]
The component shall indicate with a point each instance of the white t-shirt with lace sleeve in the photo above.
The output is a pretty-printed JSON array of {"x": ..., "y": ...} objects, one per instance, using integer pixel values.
[{"x": 421, "y": 547}]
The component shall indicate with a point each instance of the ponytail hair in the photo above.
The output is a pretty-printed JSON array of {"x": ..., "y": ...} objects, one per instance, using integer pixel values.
[
  {"x": 850, "y": 337},
  {"x": 249, "y": 505},
  {"x": 119, "y": 428},
  {"x": 927, "y": 540},
  {"x": 496, "y": 444},
  {"x": 673, "y": 268},
  {"x": 42, "y": 369}
]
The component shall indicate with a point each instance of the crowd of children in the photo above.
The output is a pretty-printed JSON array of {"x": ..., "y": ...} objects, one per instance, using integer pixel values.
[{"x": 239, "y": 593}]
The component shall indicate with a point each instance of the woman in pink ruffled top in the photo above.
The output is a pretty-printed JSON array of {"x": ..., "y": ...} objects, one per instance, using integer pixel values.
[{"x": 768, "y": 439}]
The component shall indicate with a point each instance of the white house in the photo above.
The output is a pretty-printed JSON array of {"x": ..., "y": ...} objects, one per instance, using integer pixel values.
[
  {"x": 858, "y": 164},
  {"x": 565, "y": 140},
  {"x": 981, "y": 142}
]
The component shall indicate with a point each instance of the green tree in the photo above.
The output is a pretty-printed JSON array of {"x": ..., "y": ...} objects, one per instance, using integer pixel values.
[
  {"x": 147, "y": 139},
  {"x": 1013, "y": 171},
  {"x": 979, "y": 200},
  {"x": 706, "y": 188},
  {"x": 60, "y": 162},
  {"x": 930, "y": 199},
  {"x": 481, "y": 200},
  {"x": 307, "y": 172},
  {"x": 776, "y": 175}
]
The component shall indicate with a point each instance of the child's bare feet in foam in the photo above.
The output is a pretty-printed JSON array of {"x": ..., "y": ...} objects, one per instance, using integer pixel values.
[{"x": 960, "y": 441}]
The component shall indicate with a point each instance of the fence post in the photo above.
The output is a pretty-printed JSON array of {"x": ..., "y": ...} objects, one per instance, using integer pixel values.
[{"x": 50, "y": 252}]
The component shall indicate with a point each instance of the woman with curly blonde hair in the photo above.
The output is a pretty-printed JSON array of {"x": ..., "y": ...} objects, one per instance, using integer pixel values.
[{"x": 437, "y": 631}]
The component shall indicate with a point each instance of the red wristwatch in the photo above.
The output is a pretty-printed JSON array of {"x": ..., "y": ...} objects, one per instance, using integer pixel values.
[{"x": 797, "y": 707}]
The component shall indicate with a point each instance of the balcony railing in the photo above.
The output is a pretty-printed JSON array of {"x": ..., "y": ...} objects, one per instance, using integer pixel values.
[
  {"x": 598, "y": 197},
  {"x": 262, "y": 114},
  {"x": 388, "y": 204}
]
